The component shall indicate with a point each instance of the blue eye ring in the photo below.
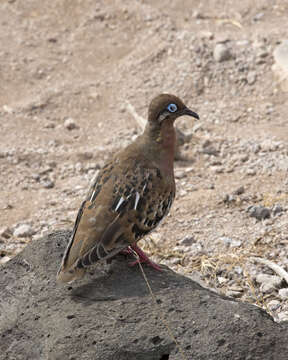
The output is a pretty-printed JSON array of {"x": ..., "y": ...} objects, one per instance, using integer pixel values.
[{"x": 172, "y": 108}]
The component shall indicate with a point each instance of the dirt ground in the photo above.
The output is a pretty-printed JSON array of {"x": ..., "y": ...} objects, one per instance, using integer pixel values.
[{"x": 67, "y": 70}]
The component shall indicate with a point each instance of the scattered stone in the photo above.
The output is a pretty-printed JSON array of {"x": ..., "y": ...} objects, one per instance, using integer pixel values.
[
  {"x": 196, "y": 249},
  {"x": 222, "y": 280},
  {"x": 36, "y": 177},
  {"x": 221, "y": 53},
  {"x": 86, "y": 155},
  {"x": 258, "y": 16},
  {"x": 235, "y": 288},
  {"x": 187, "y": 241},
  {"x": 238, "y": 270},
  {"x": 70, "y": 124},
  {"x": 283, "y": 293},
  {"x": 204, "y": 34},
  {"x": 217, "y": 169},
  {"x": 277, "y": 209},
  {"x": 180, "y": 174},
  {"x": 273, "y": 305},
  {"x": 251, "y": 172},
  {"x": 283, "y": 316},
  {"x": 5, "y": 232},
  {"x": 259, "y": 212},
  {"x": 4, "y": 259},
  {"x": 8, "y": 109},
  {"x": 251, "y": 77},
  {"x": 47, "y": 183},
  {"x": 243, "y": 158},
  {"x": 23, "y": 230},
  {"x": 50, "y": 125},
  {"x": 239, "y": 191},
  {"x": 231, "y": 242},
  {"x": 268, "y": 282},
  {"x": 234, "y": 291},
  {"x": 210, "y": 150},
  {"x": 228, "y": 199}
]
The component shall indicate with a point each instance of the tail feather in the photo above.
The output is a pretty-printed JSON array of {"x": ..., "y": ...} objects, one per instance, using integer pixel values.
[{"x": 67, "y": 276}]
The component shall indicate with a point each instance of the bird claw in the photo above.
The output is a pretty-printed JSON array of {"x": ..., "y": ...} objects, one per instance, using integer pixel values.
[
  {"x": 149, "y": 262},
  {"x": 143, "y": 258}
]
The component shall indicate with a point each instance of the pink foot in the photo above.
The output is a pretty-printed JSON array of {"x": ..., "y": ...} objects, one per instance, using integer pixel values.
[{"x": 143, "y": 258}]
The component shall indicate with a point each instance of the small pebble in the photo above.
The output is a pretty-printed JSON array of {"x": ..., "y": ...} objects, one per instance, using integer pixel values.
[
  {"x": 187, "y": 241},
  {"x": 239, "y": 191},
  {"x": 4, "y": 259},
  {"x": 47, "y": 183},
  {"x": 235, "y": 294},
  {"x": 70, "y": 124},
  {"x": 273, "y": 305},
  {"x": 251, "y": 172},
  {"x": 265, "y": 278},
  {"x": 259, "y": 212},
  {"x": 251, "y": 77},
  {"x": 283, "y": 293},
  {"x": 231, "y": 242},
  {"x": 24, "y": 230},
  {"x": 283, "y": 316},
  {"x": 277, "y": 209},
  {"x": 221, "y": 53},
  {"x": 5, "y": 232}
]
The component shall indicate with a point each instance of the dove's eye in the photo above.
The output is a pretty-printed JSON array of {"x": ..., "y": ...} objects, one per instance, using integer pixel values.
[{"x": 172, "y": 108}]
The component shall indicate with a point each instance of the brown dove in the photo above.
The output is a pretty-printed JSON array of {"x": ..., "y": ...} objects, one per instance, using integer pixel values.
[{"x": 133, "y": 192}]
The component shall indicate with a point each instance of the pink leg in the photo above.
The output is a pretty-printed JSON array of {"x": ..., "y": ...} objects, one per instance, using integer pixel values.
[
  {"x": 143, "y": 258},
  {"x": 127, "y": 251}
]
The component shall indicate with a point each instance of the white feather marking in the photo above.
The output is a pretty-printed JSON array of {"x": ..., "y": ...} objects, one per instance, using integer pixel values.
[
  {"x": 119, "y": 203},
  {"x": 136, "y": 200},
  {"x": 92, "y": 195},
  {"x": 144, "y": 187},
  {"x": 169, "y": 205}
]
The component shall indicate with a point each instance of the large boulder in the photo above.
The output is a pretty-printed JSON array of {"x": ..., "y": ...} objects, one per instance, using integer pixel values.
[{"x": 111, "y": 315}]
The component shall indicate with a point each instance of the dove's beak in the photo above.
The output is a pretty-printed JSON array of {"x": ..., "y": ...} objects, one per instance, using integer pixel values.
[{"x": 189, "y": 112}]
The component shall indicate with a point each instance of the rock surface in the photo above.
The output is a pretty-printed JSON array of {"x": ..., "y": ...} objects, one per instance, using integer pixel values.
[{"x": 112, "y": 316}]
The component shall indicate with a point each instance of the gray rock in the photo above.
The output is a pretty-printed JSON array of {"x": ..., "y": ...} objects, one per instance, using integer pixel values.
[
  {"x": 268, "y": 282},
  {"x": 273, "y": 305},
  {"x": 233, "y": 293},
  {"x": 221, "y": 53},
  {"x": 251, "y": 172},
  {"x": 259, "y": 212},
  {"x": 283, "y": 293},
  {"x": 4, "y": 259},
  {"x": 263, "y": 278},
  {"x": 283, "y": 316},
  {"x": 228, "y": 199},
  {"x": 239, "y": 191},
  {"x": 5, "y": 232},
  {"x": 70, "y": 124},
  {"x": 251, "y": 77},
  {"x": 23, "y": 230},
  {"x": 258, "y": 16},
  {"x": 277, "y": 209},
  {"x": 112, "y": 316},
  {"x": 231, "y": 242},
  {"x": 47, "y": 183},
  {"x": 187, "y": 241}
]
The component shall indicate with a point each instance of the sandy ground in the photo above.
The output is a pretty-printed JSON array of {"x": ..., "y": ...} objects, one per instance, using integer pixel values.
[{"x": 79, "y": 62}]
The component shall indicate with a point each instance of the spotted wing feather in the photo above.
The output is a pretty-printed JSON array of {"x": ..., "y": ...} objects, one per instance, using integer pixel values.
[{"x": 132, "y": 204}]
